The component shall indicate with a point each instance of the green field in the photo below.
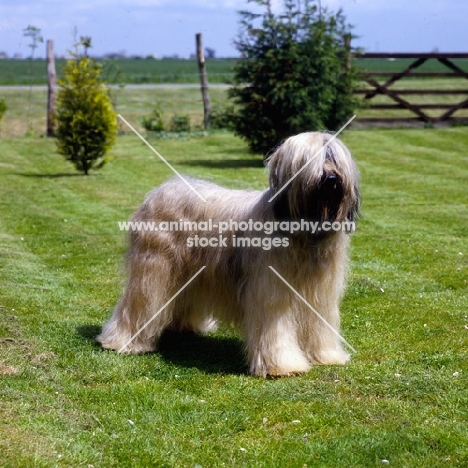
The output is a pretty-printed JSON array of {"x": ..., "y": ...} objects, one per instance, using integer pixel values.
[
  {"x": 27, "y": 109},
  {"x": 396, "y": 65},
  {"x": 135, "y": 71},
  {"x": 66, "y": 403},
  {"x": 143, "y": 71}
]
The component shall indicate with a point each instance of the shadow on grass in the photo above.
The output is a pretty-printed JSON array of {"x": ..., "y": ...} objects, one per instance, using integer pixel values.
[
  {"x": 212, "y": 354},
  {"x": 89, "y": 332},
  {"x": 208, "y": 353},
  {"x": 54, "y": 176},
  {"x": 225, "y": 163}
]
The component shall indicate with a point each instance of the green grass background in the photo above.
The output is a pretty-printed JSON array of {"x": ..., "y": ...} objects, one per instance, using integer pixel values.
[{"x": 66, "y": 403}]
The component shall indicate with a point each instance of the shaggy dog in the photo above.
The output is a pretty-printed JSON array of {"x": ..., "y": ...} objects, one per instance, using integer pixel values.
[{"x": 282, "y": 290}]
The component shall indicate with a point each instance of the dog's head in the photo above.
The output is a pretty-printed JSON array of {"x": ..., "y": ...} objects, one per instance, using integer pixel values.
[{"x": 313, "y": 177}]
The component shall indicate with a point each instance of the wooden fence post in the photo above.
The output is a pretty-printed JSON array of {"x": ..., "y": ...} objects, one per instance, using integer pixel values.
[
  {"x": 347, "y": 44},
  {"x": 204, "y": 82},
  {"x": 50, "y": 89}
]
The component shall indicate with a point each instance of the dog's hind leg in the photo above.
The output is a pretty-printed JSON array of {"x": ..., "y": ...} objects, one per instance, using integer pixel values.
[
  {"x": 186, "y": 319},
  {"x": 140, "y": 316}
]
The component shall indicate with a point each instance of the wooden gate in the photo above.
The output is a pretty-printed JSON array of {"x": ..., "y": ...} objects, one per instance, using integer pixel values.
[{"x": 397, "y": 94}]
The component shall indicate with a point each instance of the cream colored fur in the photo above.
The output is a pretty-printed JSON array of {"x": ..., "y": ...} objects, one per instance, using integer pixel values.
[{"x": 282, "y": 335}]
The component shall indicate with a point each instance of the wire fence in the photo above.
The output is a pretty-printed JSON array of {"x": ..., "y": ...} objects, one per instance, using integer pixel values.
[{"x": 27, "y": 106}]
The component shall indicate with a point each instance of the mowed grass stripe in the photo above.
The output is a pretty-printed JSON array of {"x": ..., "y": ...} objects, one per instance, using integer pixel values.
[{"x": 403, "y": 397}]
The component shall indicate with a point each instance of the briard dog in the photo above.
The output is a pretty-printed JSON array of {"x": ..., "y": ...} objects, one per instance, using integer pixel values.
[{"x": 192, "y": 263}]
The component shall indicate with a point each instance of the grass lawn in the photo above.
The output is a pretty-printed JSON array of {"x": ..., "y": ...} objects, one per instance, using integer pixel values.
[{"x": 64, "y": 402}]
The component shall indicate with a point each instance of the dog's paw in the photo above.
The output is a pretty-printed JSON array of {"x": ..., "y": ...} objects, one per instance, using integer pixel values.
[
  {"x": 123, "y": 347},
  {"x": 332, "y": 357},
  {"x": 202, "y": 327},
  {"x": 287, "y": 366},
  {"x": 276, "y": 373},
  {"x": 208, "y": 325}
]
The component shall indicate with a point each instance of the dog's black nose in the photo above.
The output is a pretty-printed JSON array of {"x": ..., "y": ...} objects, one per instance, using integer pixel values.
[{"x": 329, "y": 182}]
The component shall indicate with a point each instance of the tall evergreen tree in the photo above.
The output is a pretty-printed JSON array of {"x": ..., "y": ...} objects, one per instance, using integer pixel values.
[{"x": 295, "y": 73}]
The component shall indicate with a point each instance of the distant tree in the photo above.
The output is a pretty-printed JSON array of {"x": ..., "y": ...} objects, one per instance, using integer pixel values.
[
  {"x": 295, "y": 73},
  {"x": 86, "y": 120},
  {"x": 210, "y": 53},
  {"x": 85, "y": 41},
  {"x": 34, "y": 34}
]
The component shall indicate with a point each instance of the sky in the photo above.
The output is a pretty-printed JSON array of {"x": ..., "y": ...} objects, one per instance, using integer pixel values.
[{"x": 168, "y": 27}]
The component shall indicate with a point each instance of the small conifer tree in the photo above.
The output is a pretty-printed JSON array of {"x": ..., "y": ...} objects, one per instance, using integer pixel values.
[{"x": 86, "y": 119}]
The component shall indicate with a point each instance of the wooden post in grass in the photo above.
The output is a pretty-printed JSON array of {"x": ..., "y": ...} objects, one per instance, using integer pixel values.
[
  {"x": 203, "y": 81},
  {"x": 50, "y": 89},
  {"x": 347, "y": 44}
]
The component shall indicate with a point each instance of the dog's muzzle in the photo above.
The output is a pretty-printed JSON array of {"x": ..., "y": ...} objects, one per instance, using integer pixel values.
[{"x": 330, "y": 182}]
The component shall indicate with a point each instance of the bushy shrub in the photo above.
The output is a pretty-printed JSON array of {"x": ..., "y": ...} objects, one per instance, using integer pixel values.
[
  {"x": 222, "y": 118},
  {"x": 86, "y": 120},
  {"x": 153, "y": 123},
  {"x": 295, "y": 73},
  {"x": 3, "y": 108},
  {"x": 180, "y": 123}
]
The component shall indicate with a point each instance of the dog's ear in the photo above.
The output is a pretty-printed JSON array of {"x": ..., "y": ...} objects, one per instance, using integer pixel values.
[
  {"x": 281, "y": 209},
  {"x": 280, "y": 204},
  {"x": 273, "y": 163}
]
